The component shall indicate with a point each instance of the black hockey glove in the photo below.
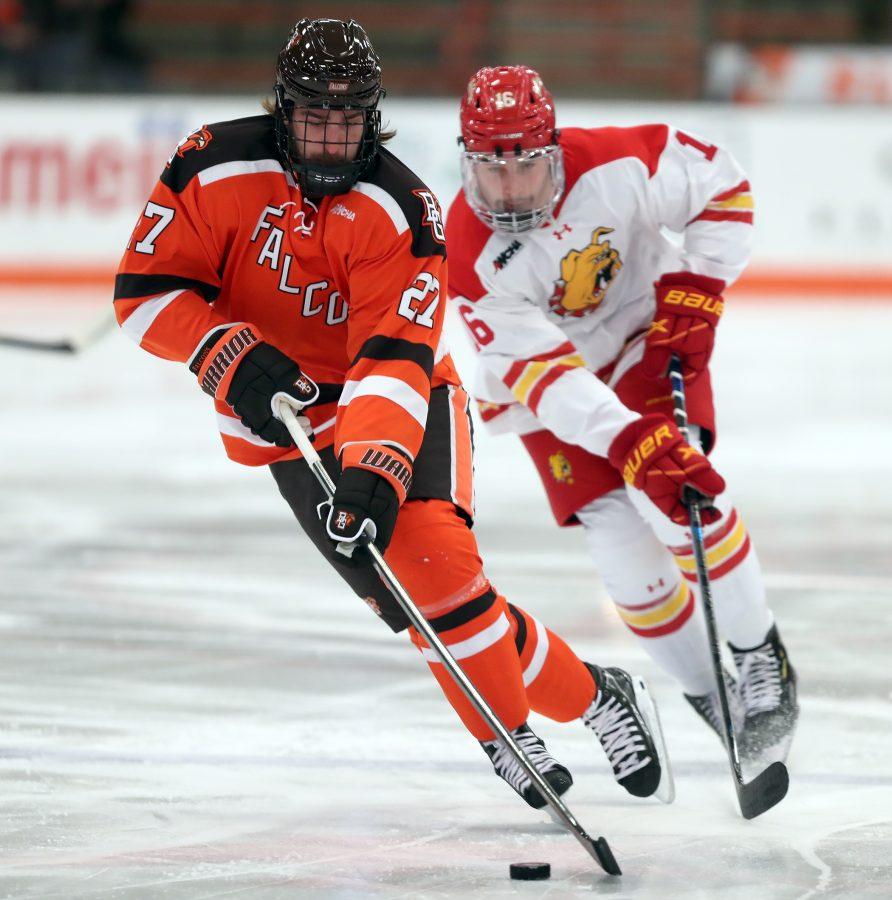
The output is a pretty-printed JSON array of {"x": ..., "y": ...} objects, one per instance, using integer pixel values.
[
  {"x": 364, "y": 507},
  {"x": 235, "y": 365}
]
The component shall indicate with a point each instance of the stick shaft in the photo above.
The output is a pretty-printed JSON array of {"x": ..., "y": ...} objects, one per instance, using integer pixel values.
[
  {"x": 679, "y": 401},
  {"x": 95, "y": 329}
]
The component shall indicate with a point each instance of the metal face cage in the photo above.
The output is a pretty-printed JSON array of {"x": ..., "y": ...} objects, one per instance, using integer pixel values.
[{"x": 327, "y": 145}]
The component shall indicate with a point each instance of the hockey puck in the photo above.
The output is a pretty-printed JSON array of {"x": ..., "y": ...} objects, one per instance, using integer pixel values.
[{"x": 530, "y": 871}]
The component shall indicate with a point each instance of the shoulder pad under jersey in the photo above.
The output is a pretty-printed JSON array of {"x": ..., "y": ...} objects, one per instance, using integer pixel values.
[
  {"x": 588, "y": 148},
  {"x": 239, "y": 140},
  {"x": 392, "y": 182}
]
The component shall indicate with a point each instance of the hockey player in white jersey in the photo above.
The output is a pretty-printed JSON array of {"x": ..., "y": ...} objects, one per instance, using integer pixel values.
[{"x": 576, "y": 301}]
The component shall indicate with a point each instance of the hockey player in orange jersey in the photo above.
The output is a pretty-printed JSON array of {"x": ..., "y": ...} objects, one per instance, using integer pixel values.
[
  {"x": 292, "y": 254},
  {"x": 576, "y": 300}
]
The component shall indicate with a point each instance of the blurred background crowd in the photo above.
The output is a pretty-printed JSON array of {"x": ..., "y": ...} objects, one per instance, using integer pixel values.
[{"x": 745, "y": 50}]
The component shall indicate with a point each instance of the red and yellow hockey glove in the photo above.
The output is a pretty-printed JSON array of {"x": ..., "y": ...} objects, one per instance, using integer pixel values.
[
  {"x": 652, "y": 456},
  {"x": 688, "y": 310}
]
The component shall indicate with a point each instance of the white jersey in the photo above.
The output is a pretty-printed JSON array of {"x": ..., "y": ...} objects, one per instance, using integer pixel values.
[{"x": 551, "y": 309}]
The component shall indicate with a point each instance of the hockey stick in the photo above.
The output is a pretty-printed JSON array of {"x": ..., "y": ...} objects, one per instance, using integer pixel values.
[
  {"x": 597, "y": 849},
  {"x": 74, "y": 344},
  {"x": 769, "y": 787}
]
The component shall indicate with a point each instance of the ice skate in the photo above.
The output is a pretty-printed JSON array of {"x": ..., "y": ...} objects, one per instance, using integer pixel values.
[
  {"x": 625, "y": 719},
  {"x": 768, "y": 692},
  {"x": 709, "y": 707},
  {"x": 508, "y": 768}
]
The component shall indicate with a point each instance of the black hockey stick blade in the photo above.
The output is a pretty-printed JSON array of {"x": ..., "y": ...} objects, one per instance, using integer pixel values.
[
  {"x": 605, "y": 857},
  {"x": 767, "y": 789},
  {"x": 19, "y": 343}
]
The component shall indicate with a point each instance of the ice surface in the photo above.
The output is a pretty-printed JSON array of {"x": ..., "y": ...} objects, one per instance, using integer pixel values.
[{"x": 191, "y": 706}]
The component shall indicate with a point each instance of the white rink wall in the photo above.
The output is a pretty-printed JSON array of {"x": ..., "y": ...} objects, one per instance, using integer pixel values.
[{"x": 75, "y": 172}]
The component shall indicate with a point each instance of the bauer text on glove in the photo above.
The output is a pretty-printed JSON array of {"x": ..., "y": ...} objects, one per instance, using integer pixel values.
[
  {"x": 652, "y": 456},
  {"x": 688, "y": 309}
]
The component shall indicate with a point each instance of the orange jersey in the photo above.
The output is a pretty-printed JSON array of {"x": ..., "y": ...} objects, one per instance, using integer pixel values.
[{"x": 348, "y": 286}]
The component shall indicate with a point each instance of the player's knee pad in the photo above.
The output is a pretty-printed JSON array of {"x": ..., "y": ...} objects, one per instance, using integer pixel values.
[{"x": 434, "y": 554}]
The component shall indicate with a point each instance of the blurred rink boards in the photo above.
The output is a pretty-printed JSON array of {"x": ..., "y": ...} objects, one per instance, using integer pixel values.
[{"x": 75, "y": 174}]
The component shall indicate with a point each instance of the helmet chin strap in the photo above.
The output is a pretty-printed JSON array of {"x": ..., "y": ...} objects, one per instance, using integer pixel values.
[{"x": 317, "y": 180}]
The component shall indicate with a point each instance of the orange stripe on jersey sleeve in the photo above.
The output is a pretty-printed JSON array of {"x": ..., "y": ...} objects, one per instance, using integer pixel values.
[{"x": 372, "y": 417}]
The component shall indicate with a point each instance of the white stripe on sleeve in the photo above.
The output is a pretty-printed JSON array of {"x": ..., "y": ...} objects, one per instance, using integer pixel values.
[
  {"x": 234, "y": 428},
  {"x": 141, "y": 319},
  {"x": 391, "y": 388},
  {"x": 386, "y": 202}
]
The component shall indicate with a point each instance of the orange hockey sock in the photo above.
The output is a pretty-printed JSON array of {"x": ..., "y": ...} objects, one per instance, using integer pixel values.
[
  {"x": 479, "y": 636},
  {"x": 557, "y": 682}
]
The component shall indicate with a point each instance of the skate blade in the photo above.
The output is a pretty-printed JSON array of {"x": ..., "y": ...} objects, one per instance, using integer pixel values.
[{"x": 665, "y": 792}]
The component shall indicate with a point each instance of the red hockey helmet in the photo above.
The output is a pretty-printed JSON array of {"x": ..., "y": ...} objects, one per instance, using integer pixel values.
[
  {"x": 512, "y": 166},
  {"x": 505, "y": 108}
]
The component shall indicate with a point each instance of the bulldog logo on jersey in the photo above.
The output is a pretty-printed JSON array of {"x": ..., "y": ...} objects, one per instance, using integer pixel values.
[
  {"x": 560, "y": 467},
  {"x": 585, "y": 276}
]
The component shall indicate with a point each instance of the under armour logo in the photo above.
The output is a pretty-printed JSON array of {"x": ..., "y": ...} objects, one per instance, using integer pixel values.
[{"x": 564, "y": 229}]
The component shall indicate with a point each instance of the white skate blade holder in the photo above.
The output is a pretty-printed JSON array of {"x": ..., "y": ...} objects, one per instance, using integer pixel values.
[{"x": 665, "y": 793}]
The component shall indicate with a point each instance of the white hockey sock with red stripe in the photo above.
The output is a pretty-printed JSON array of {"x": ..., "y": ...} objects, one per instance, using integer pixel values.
[
  {"x": 738, "y": 589},
  {"x": 735, "y": 577}
]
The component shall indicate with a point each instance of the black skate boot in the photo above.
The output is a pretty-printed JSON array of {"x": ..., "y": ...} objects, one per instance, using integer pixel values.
[
  {"x": 709, "y": 707},
  {"x": 508, "y": 768},
  {"x": 768, "y": 691},
  {"x": 625, "y": 720}
]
